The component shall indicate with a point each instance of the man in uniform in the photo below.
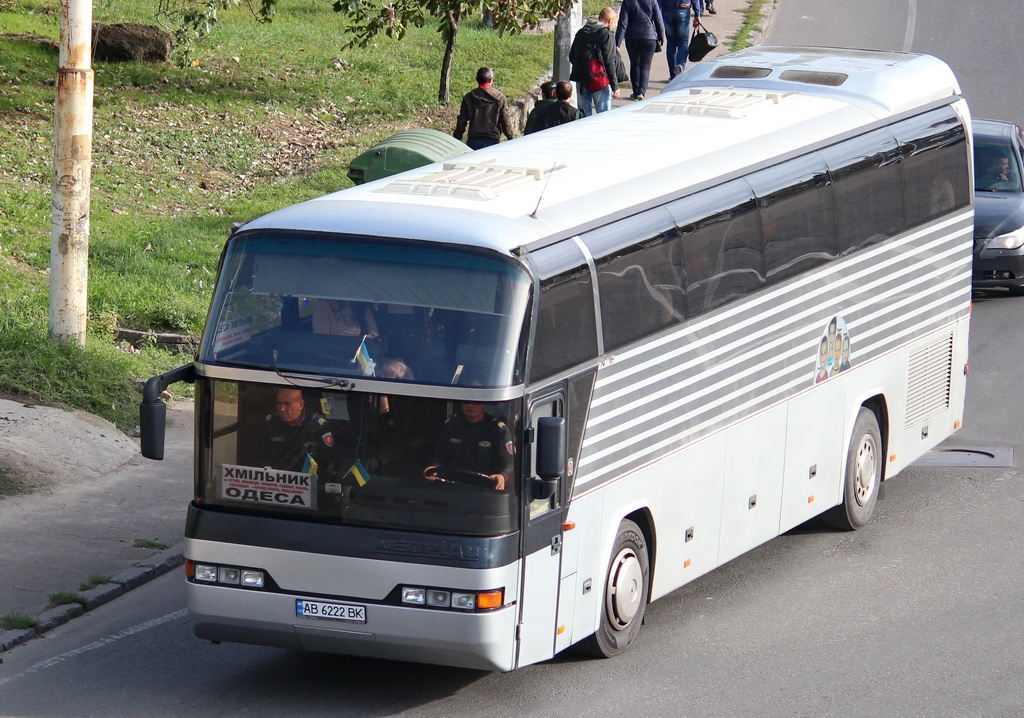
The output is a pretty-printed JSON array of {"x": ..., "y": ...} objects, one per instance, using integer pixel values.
[
  {"x": 473, "y": 440},
  {"x": 292, "y": 439}
]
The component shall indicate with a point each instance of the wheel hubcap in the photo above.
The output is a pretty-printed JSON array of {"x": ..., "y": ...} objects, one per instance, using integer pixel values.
[
  {"x": 625, "y": 588},
  {"x": 867, "y": 470}
]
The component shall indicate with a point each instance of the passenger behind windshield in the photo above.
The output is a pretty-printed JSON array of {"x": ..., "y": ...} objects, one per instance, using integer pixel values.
[
  {"x": 344, "y": 318},
  {"x": 294, "y": 438},
  {"x": 474, "y": 447}
]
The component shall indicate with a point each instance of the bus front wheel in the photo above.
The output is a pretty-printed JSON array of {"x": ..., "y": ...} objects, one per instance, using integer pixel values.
[
  {"x": 863, "y": 476},
  {"x": 625, "y": 595}
]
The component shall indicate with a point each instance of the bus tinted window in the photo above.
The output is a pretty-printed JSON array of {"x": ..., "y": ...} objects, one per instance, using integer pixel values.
[
  {"x": 566, "y": 332},
  {"x": 357, "y": 459},
  {"x": 868, "y": 184},
  {"x": 797, "y": 215},
  {"x": 935, "y": 151},
  {"x": 348, "y": 306},
  {"x": 721, "y": 244},
  {"x": 642, "y": 285}
]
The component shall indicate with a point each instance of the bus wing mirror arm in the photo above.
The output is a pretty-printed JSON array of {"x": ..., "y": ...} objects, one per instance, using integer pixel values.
[
  {"x": 153, "y": 411},
  {"x": 552, "y": 455}
]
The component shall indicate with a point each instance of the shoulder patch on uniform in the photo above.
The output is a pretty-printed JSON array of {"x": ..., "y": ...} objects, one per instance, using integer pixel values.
[
  {"x": 501, "y": 424},
  {"x": 328, "y": 438}
]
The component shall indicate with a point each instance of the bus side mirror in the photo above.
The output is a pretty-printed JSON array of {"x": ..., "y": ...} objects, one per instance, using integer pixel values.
[
  {"x": 552, "y": 455},
  {"x": 153, "y": 411}
]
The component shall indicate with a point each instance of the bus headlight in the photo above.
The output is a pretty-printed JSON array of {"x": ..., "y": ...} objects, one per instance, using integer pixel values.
[
  {"x": 460, "y": 600},
  {"x": 224, "y": 575}
]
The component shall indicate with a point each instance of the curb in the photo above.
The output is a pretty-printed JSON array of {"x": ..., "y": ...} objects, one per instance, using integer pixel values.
[{"x": 144, "y": 572}]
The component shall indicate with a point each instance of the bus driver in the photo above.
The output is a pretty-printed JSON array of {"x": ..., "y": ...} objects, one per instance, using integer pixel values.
[{"x": 473, "y": 440}]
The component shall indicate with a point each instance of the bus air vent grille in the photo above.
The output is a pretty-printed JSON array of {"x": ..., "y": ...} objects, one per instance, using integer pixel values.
[
  {"x": 928, "y": 382},
  {"x": 469, "y": 180},
  {"x": 713, "y": 102}
]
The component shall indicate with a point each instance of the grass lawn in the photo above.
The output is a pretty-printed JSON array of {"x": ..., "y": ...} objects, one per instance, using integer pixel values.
[{"x": 259, "y": 117}]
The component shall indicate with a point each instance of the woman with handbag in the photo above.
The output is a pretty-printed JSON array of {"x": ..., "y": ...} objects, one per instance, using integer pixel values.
[
  {"x": 677, "y": 15},
  {"x": 642, "y": 27}
]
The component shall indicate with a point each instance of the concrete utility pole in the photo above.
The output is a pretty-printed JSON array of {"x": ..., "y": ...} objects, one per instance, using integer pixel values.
[
  {"x": 566, "y": 26},
  {"x": 72, "y": 173}
]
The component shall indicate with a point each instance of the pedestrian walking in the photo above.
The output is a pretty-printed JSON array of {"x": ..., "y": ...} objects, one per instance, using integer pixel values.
[
  {"x": 679, "y": 16},
  {"x": 560, "y": 112},
  {"x": 547, "y": 97},
  {"x": 595, "y": 41},
  {"x": 642, "y": 28},
  {"x": 484, "y": 110}
]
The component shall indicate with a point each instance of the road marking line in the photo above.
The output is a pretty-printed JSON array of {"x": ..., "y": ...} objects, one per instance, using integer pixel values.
[{"x": 50, "y": 662}]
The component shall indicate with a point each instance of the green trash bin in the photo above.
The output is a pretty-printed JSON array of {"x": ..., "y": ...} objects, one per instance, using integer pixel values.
[{"x": 404, "y": 151}]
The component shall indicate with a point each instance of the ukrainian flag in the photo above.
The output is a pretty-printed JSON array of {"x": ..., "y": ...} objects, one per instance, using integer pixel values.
[
  {"x": 363, "y": 356},
  {"x": 360, "y": 472},
  {"x": 310, "y": 466}
]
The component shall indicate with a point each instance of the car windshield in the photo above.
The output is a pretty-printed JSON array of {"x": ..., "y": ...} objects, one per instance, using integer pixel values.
[
  {"x": 359, "y": 459},
  {"x": 345, "y": 306},
  {"x": 995, "y": 168}
]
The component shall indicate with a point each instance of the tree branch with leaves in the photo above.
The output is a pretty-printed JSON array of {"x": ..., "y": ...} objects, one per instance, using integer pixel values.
[{"x": 369, "y": 18}]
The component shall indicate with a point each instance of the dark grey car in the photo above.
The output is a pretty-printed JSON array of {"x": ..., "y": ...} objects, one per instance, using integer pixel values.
[{"x": 999, "y": 206}]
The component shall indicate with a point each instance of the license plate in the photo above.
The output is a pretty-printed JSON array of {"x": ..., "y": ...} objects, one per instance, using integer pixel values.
[{"x": 349, "y": 612}]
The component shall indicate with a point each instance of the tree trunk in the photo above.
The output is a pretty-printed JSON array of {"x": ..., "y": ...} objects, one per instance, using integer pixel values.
[{"x": 444, "y": 91}]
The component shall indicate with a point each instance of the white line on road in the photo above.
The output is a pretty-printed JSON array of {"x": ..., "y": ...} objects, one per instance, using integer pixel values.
[{"x": 50, "y": 662}]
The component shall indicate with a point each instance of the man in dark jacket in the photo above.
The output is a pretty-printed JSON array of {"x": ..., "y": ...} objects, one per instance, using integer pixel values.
[
  {"x": 484, "y": 111},
  {"x": 595, "y": 41},
  {"x": 547, "y": 92},
  {"x": 560, "y": 112}
]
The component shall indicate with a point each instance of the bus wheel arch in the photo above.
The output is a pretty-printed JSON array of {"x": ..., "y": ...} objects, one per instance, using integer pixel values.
[
  {"x": 625, "y": 592},
  {"x": 863, "y": 470}
]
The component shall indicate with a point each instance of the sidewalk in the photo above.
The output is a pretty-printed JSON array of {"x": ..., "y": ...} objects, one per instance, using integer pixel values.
[
  {"x": 725, "y": 24},
  {"x": 97, "y": 499}
]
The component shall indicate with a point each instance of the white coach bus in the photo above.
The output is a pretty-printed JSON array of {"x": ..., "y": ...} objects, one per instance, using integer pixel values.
[{"x": 482, "y": 411}]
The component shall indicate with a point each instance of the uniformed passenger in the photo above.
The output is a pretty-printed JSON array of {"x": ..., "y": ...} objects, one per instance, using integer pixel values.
[
  {"x": 473, "y": 440},
  {"x": 293, "y": 439}
]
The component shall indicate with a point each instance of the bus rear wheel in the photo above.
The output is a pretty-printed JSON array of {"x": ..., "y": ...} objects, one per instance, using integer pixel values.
[
  {"x": 863, "y": 476},
  {"x": 626, "y": 588}
]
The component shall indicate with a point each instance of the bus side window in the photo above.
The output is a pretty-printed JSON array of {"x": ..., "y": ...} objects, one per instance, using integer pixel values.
[
  {"x": 720, "y": 239},
  {"x": 566, "y": 332},
  {"x": 798, "y": 216},
  {"x": 935, "y": 151},
  {"x": 868, "y": 182}
]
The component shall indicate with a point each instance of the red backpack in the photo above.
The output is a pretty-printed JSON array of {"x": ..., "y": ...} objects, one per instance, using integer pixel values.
[{"x": 598, "y": 73}]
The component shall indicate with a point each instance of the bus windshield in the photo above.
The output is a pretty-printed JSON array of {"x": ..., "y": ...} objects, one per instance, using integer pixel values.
[
  {"x": 352, "y": 306},
  {"x": 359, "y": 459}
]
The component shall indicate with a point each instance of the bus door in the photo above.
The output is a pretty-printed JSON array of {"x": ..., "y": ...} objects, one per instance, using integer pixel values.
[{"x": 542, "y": 547}]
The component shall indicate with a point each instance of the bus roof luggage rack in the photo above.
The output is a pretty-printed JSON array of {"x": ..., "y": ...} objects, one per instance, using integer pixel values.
[
  {"x": 469, "y": 180},
  {"x": 712, "y": 102}
]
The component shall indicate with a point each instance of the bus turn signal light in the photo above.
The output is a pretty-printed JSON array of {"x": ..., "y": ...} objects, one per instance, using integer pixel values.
[{"x": 490, "y": 599}]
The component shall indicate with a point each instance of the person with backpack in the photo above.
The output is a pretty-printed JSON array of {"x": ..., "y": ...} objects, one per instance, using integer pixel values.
[{"x": 595, "y": 63}]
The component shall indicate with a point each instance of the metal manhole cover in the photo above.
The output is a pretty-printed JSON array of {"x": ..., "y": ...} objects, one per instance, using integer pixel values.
[{"x": 994, "y": 456}]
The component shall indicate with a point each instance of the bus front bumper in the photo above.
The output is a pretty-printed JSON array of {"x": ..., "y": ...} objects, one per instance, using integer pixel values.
[{"x": 484, "y": 641}]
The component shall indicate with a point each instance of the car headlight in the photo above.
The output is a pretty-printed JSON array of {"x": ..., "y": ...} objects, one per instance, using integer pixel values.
[{"x": 1013, "y": 240}]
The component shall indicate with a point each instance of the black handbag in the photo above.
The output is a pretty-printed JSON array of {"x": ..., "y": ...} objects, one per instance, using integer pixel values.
[{"x": 701, "y": 43}]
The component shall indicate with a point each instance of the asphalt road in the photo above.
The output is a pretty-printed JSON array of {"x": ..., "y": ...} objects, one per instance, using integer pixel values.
[{"x": 917, "y": 614}]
